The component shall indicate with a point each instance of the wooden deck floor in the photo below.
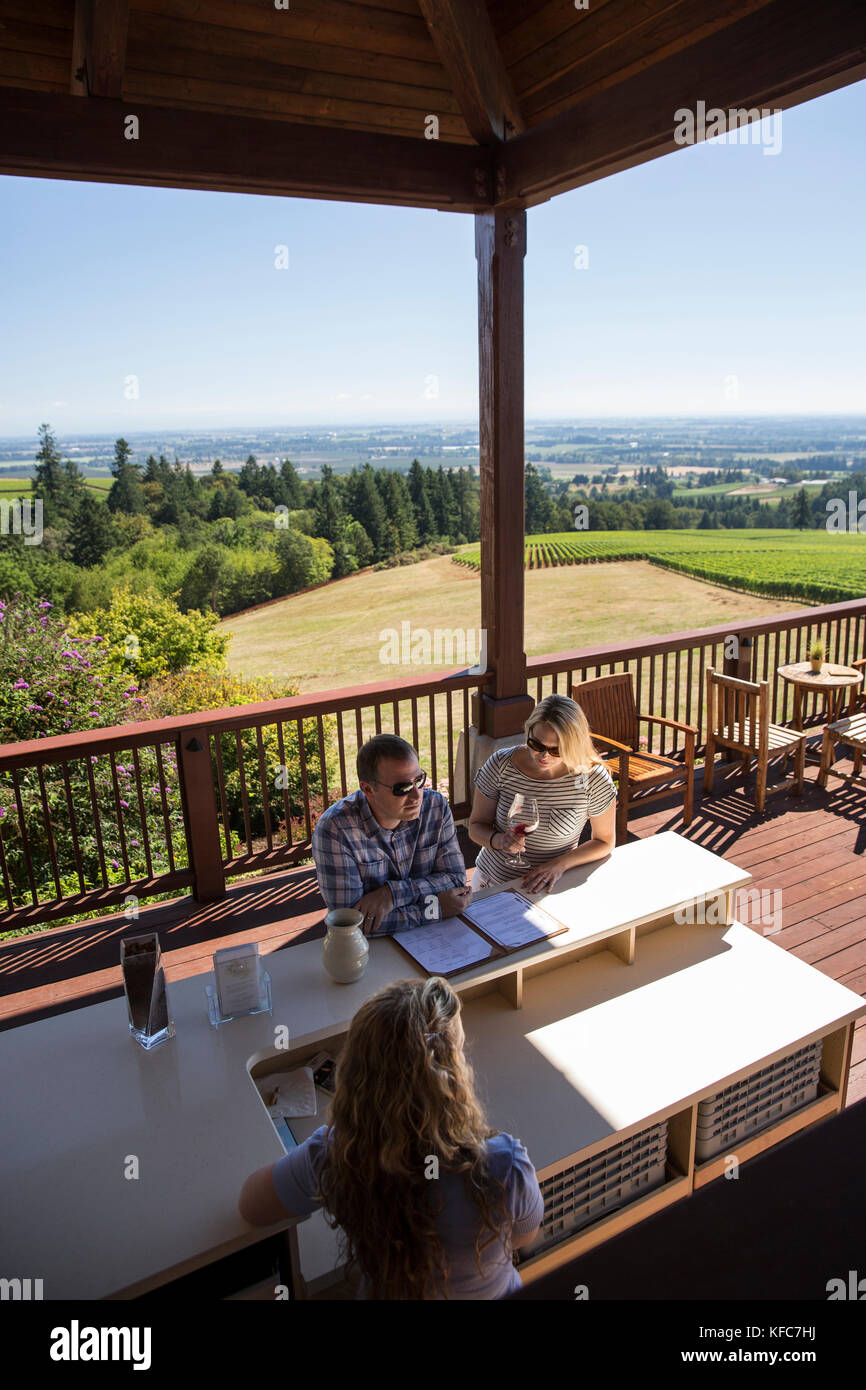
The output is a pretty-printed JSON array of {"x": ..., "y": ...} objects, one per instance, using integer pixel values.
[{"x": 807, "y": 857}]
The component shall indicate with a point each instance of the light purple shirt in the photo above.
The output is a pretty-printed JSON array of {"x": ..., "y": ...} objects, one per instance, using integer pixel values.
[{"x": 295, "y": 1178}]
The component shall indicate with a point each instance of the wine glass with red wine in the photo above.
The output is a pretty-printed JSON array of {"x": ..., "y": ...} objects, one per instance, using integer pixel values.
[{"x": 522, "y": 820}]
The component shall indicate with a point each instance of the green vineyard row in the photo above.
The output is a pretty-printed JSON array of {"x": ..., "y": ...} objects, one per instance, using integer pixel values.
[{"x": 817, "y": 566}]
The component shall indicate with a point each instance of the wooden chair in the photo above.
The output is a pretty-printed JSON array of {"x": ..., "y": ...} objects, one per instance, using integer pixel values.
[
  {"x": 738, "y": 717},
  {"x": 609, "y": 706},
  {"x": 858, "y": 694},
  {"x": 850, "y": 730}
]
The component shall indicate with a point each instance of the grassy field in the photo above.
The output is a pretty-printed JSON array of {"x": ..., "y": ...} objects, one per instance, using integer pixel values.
[
  {"x": 20, "y": 487},
  {"x": 813, "y": 566},
  {"x": 332, "y": 637}
]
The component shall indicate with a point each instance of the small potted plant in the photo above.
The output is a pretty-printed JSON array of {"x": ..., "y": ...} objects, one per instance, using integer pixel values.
[{"x": 816, "y": 656}]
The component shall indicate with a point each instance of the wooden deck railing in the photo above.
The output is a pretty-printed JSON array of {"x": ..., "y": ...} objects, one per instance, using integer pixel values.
[
  {"x": 668, "y": 671},
  {"x": 90, "y": 820}
]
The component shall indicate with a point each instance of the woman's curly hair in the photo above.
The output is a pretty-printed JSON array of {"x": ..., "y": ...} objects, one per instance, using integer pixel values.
[{"x": 404, "y": 1097}]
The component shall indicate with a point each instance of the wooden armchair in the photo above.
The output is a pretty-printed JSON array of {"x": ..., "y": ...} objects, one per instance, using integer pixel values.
[
  {"x": 738, "y": 718},
  {"x": 609, "y": 706},
  {"x": 858, "y": 693}
]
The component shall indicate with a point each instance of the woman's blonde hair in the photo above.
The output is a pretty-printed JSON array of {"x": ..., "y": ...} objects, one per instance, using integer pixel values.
[
  {"x": 404, "y": 1097},
  {"x": 576, "y": 748}
]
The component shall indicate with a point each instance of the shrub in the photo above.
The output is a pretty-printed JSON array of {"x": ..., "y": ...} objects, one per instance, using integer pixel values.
[{"x": 149, "y": 636}]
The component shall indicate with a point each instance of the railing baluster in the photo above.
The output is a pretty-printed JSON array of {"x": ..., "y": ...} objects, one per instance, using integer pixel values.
[
  {"x": 244, "y": 799},
  {"x": 433, "y": 743},
  {"x": 302, "y": 753},
  {"x": 377, "y": 709},
  {"x": 322, "y": 762},
  {"x": 415, "y": 723},
  {"x": 652, "y": 708},
  {"x": 221, "y": 783},
  {"x": 166, "y": 818},
  {"x": 687, "y": 718},
  {"x": 466, "y": 764},
  {"x": 263, "y": 780},
  {"x": 73, "y": 826},
  {"x": 120, "y": 827},
  {"x": 49, "y": 832},
  {"x": 287, "y": 808},
  {"x": 341, "y": 746},
  {"x": 7, "y": 886},
  {"x": 88, "y": 762},
  {"x": 450, "y": 745},
  {"x": 396, "y": 709},
  {"x": 145, "y": 831}
]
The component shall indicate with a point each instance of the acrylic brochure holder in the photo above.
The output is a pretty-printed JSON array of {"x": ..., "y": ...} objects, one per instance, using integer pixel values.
[{"x": 239, "y": 986}]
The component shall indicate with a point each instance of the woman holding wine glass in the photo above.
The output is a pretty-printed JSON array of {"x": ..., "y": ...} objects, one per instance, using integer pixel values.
[{"x": 533, "y": 800}]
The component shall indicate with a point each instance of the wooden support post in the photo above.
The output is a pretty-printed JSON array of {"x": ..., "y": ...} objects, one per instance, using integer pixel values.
[
  {"x": 200, "y": 815},
  {"x": 500, "y": 246}
]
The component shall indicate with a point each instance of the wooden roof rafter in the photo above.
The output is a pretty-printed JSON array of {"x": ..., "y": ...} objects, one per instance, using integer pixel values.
[
  {"x": 467, "y": 46},
  {"x": 99, "y": 47}
]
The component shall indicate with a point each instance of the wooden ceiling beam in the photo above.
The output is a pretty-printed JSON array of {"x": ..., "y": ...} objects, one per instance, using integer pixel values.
[
  {"x": 782, "y": 55},
  {"x": 99, "y": 48},
  {"x": 467, "y": 46},
  {"x": 49, "y": 135}
]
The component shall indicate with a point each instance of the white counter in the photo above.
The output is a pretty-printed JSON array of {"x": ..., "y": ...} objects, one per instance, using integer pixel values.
[{"x": 81, "y": 1099}]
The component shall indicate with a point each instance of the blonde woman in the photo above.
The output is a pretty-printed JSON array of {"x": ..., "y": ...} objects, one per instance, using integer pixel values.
[
  {"x": 559, "y": 767},
  {"x": 405, "y": 1097}
]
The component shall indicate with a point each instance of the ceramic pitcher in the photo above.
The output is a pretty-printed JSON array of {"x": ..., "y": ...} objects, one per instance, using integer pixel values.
[{"x": 345, "y": 950}]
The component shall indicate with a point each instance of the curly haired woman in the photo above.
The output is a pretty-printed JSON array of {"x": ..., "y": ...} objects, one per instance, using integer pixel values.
[{"x": 416, "y": 1228}]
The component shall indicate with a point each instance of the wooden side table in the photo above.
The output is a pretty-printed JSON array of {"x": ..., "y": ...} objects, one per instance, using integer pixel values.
[{"x": 831, "y": 681}]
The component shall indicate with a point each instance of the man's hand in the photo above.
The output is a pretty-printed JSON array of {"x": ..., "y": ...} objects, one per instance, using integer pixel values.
[
  {"x": 374, "y": 906},
  {"x": 453, "y": 900}
]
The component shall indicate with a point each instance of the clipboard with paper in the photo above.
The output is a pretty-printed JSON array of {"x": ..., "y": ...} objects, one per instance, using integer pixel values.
[{"x": 492, "y": 927}]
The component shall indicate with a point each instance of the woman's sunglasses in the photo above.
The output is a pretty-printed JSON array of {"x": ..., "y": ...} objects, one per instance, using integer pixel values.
[
  {"x": 405, "y": 788},
  {"x": 541, "y": 747}
]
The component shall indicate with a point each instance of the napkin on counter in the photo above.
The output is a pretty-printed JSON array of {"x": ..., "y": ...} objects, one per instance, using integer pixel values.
[{"x": 289, "y": 1094}]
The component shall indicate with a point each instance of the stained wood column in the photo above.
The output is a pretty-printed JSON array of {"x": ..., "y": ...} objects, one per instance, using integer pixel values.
[{"x": 500, "y": 246}]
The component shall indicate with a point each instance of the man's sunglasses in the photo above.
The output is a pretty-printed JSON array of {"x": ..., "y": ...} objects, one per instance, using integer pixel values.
[
  {"x": 541, "y": 747},
  {"x": 405, "y": 788}
]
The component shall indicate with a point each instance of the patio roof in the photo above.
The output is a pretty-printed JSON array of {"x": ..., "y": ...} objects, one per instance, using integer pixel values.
[
  {"x": 339, "y": 99},
  {"x": 334, "y": 98}
]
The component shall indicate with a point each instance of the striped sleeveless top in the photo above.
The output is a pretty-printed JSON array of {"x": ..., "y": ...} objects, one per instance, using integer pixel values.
[{"x": 564, "y": 805}]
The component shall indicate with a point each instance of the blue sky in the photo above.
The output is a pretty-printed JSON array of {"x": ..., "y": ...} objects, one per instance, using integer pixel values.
[{"x": 721, "y": 279}]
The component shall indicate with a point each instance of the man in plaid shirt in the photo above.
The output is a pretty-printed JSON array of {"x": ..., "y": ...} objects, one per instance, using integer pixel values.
[{"x": 390, "y": 849}]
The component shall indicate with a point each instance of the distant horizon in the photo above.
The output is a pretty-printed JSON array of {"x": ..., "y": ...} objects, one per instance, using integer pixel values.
[{"x": 462, "y": 422}]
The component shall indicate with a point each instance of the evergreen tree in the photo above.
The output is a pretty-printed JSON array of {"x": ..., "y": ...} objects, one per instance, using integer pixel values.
[
  {"x": 200, "y": 586},
  {"x": 444, "y": 503},
  {"x": 539, "y": 504},
  {"x": 91, "y": 534},
  {"x": 368, "y": 508},
  {"x": 126, "y": 494},
  {"x": 293, "y": 493},
  {"x": 801, "y": 516},
  {"x": 58, "y": 485},
  {"x": 330, "y": 518},
  {"x": 425, "y": 521},
  {"x": 395, "y": 495}
]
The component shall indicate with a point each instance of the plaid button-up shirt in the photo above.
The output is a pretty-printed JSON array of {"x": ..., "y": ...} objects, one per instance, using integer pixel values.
[{"x": 354, "y": 854}]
